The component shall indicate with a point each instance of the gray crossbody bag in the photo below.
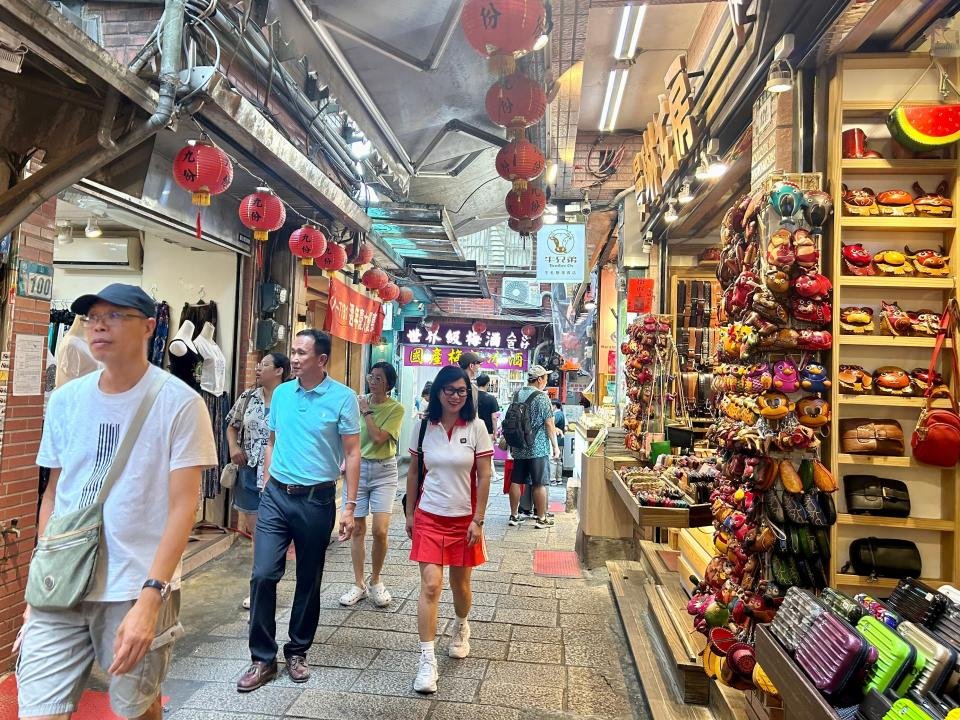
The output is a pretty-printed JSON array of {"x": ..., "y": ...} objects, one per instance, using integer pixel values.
[{"x": 65, "y": 560}]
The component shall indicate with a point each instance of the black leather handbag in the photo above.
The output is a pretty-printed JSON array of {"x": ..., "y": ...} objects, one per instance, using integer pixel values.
[
  {"x": 885, "y": 557},
  {"x": 872, "y": 495}
]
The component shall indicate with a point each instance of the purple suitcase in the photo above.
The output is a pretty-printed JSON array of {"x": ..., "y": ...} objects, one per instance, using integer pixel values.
[{"x": 832, "y": 654}]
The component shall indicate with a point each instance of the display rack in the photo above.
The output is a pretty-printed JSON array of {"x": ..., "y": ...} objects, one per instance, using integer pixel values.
[{"x": 862, "y": 92}]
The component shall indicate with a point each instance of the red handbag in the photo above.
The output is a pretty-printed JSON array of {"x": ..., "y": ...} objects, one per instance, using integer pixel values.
[{"x": 936, "y": 440}]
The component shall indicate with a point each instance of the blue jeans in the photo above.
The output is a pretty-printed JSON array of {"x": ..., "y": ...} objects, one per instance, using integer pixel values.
[{"x": 308, "y": 521}]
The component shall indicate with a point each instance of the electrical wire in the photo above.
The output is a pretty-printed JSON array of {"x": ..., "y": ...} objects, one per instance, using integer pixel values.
[{"x": 467, "y": 198}]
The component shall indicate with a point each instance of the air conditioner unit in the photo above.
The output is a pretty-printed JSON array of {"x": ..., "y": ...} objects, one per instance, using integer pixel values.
[
  {"x": 520, "y": 294},
  {"x": 103, "y": 253}
]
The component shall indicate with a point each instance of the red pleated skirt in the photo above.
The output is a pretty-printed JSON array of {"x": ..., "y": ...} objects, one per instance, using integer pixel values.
[{"x": 441, "y": 540}]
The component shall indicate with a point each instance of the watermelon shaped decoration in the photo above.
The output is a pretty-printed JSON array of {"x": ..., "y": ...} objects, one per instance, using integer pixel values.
[{"x": 923, "y": 128}]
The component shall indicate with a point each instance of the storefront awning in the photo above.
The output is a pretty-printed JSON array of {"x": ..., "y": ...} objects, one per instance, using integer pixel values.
[
  {"x": 416, "y": 230},
  {"x": 450, "y": 278}
]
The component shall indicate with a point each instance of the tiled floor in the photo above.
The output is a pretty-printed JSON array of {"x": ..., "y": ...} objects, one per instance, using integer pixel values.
[{"x": 541, "y": 647}]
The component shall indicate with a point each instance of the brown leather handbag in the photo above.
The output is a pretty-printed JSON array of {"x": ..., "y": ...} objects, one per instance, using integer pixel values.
[{"x": 869, "y": 436}]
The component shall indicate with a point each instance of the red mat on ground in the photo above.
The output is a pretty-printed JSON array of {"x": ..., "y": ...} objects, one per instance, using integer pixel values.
[
  {"x": 557, "y": 506},
  {"x": 556, "y": 563},
  {"x": 93, "y": 705}
]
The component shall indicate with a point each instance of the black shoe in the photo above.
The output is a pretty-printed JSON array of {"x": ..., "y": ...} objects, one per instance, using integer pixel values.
[{"x": 515, "y": 521}]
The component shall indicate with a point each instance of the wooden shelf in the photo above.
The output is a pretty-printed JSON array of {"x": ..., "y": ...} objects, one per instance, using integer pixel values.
[
  {"x": 882, "y": 401},
  {"x": 800, "y": 697},
  {"x": 899, "y": 283},
  {"x": 888, "y": 340},
  {"x": 883, "y": 166},
  {"x": 845, "y": 580},
  {"x": 908, "y": 523},
  {"x": 897, "y": 224},
  {"x": 880, "y": 460}
]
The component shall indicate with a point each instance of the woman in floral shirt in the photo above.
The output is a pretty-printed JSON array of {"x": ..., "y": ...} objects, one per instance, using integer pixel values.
[{"x": 247, "y": 435}]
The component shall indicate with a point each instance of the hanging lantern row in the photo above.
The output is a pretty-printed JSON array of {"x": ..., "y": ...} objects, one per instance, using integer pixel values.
[
  {"x": 515, "y": 102},
  {"x": 308, "y": 243},
  {"x": 374, "y": 278},
  {"x": 479, "y": 327},
  {"x": 527, "y": 203},
  {"x": 526, "y": 226},
  {"x": 263, "y": 212},
  {"x": 389, "y": 292},
  {"x": 334, "y": 258},
  {"x": 502, "y": 30},
  {"x": 406, "y": 296},
  {"x": 202, "y": 169},
  {"x": 520, "y": 161},
  {"x": 363, "y": 255}
]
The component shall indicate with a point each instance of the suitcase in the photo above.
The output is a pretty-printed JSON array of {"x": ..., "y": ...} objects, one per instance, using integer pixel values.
[
  {"x": 951, "y": 592},
  {"x": 904, "y": 709},
  {"x": 947, "y": 626},
  {"x": 841, "y": 605},
  {"x": 917, "y": 602},
  {"x": 832, "y": 654},
  {"x": 898, "y": 662},
  {"x": 795, "y": 617},
  {"x": 940, "y": 661},
  {"x": 879, "y": 610}
]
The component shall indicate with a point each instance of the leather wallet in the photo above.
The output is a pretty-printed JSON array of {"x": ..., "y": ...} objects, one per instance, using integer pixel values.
[
  {"x": 872, "y": 495},
  {"x": 868, "y": 436},
  {"x": 885, "y": 557}
]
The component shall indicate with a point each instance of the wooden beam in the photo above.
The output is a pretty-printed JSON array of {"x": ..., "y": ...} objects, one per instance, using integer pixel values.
[
  {"x": 928, "y": 13},
  {"x": 868, "y": 25}
]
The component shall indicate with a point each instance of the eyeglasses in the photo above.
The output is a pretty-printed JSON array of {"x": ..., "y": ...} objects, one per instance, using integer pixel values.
[
  {"x": 110, "y": 319},
  {"x": 373, "y": 378},
  {"x": 455, "y": 392}
]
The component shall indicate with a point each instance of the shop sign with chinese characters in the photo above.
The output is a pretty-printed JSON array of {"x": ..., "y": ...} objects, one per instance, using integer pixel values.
[
  {"x": 466, "y": 337},
  {"x": 351, "y": 315},
  {"x": 671, "y": 135},
  {"x": 561, "y": 254},
  {"x": 440, "y": 355}
]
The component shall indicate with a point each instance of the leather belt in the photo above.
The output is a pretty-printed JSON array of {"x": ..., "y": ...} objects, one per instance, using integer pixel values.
[{"x": 301, "y": 489}]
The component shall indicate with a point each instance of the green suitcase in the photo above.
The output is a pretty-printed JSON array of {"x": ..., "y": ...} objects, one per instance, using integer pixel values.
[
  {"x": 904, "y": 709},
  {"x": 898, "y": 662}
]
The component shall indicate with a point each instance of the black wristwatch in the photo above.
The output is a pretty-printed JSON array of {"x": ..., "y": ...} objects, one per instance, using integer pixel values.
[
  {"x": 478, "y": 522},
  {"x": 163, "y": 587}
]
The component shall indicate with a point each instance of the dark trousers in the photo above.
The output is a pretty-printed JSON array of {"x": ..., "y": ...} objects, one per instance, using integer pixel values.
[{"x": 308, "y": 521}]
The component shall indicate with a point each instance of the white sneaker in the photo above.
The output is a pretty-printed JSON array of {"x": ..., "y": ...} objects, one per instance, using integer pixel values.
[
  {"x": 354, "y": 595},
  {"x": 246, "y": 603},
  {"x": 459, "y": 646},
  {"x": 426, "y": 680},
  {"x": 380, "y": 595}
]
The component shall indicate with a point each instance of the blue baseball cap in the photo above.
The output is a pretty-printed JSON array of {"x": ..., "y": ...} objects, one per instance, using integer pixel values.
[{"x": 119, "y": 294}]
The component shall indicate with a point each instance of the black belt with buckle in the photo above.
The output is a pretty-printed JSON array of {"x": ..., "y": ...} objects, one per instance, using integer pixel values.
[{"x": 300, "y": 489}]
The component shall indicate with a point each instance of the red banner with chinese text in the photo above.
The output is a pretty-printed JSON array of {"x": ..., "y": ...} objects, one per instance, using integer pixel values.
[{"x": 351, "y": 315}]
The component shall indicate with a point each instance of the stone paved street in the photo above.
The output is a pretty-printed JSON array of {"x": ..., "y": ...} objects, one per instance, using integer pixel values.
[{"x": 541, "y": 647}]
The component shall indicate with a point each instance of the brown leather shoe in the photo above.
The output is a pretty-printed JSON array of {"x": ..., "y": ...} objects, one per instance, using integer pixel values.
[
  {"x": 256, "y": 676},
  {"x": 298, "y": 668}
]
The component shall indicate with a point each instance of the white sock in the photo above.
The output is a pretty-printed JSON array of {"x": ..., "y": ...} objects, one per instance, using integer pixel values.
[
  {"x": 461, "y": 621},
  {"x": 428, "y": 649}
]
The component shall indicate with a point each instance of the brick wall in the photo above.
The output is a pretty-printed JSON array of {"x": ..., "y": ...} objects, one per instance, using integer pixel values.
[
  {"x": 22, "y": 429},
  {"x": 473, "y": 307},
  {"x": 124, "y": 27},
  {"x": 247, "y": 355}
]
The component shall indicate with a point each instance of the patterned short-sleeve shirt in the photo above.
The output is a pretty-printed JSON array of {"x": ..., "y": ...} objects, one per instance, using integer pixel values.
[
  {"x": 256, "y": 433},
  {"x": 540, "y": 410}
]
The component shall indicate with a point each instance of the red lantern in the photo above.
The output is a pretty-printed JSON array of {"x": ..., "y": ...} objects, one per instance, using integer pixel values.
[
  {"x": 389, "y": 292},
  {"x": 528, "y": 331},
  {"x": 515, "y": 102},
  {"x": 503, "y": 29},
  {"x": 525, "y": 226},
  {"x": 520, "y": 161},
  {"x": 333, "y": 258},
  {"x": 307, "y": 243},
  {"x": 528, "y": 203},
  {"x": 434, "y": 326},
  {"x": 263, "y": 212},
  {"x": 363, "y": 255},
  {"x": 406, "y": 296},
  {"x": 479, "y": 327},
  {"x": 203, "y": 169},
  {"x": 374, "y": 279}
]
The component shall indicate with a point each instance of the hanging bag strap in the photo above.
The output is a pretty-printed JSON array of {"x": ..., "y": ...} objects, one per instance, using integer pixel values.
[
  {"x": 947, "y": 327},
  {"x": 421, "y": 468},
  {"x": 241, "y": 411},
  {"x": 131, "y": 435},
  {"x": 945, "y": 82}
]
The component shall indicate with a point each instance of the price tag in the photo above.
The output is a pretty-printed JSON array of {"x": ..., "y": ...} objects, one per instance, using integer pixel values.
[{"x": 34, "y": 280}]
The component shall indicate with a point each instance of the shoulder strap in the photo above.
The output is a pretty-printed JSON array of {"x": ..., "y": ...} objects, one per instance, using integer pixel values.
[
  {"x": 420, "y": 466},
  {"x": 531, "y": 397},
  {"x": 241, "y": 411},
  {"x": 947, "y": 327},
  {"x": 130, "y": 437}
]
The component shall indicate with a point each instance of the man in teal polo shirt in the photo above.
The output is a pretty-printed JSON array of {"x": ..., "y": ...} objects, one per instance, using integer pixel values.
[{"x": 315, "y": 424}]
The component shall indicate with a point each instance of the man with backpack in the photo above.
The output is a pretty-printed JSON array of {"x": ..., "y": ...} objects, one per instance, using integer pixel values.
[{"x": 530, "y": 431}]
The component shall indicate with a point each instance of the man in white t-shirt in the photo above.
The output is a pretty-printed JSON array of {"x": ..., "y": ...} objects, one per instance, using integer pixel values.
[{"x": 127, "y": 622}]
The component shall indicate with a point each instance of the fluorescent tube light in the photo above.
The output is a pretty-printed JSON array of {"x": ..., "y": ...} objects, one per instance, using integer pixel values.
[
  {"x": 606, "y": 100},
  {"x": 637, "y": 25},
  {"x": 616, "y": 105},
  {"x": 622, "y": 33}
]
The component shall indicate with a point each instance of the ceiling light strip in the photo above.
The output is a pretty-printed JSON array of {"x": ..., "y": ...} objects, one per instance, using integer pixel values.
[
  {"x": 616, "y": 105},
  {"x": 635, "y": 36},
  {"x": 622, "y": 33},
  {"x": 606, "y": 100}
]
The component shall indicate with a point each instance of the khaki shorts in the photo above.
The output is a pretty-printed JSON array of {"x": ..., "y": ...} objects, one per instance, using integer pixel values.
[{"x": 59, "y": 648}]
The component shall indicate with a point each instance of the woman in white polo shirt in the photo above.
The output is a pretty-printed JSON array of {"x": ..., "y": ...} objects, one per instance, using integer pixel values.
[{"x": 447, "y": 524}]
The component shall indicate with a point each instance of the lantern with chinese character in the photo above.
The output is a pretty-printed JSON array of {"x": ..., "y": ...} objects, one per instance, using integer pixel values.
[
  {"x": 202, "y": 169},
  {"x": 263, "y": 212},
  {"x": 525, "y": 226},
  {"x": 479, "y": 327},
  {"x": 406, "y": 296},
  {"x": 503, "y": 29},
  {"x": 307, "y": 243},
  {"x": 363, "y": 255},
  {"x": 434, "y": 326},
  {"x": 515, "y": 102},
  {"x": 333, "y": 258},
  {"x": 528, "y": 331},
  {"x": 528, "y": 203},
  {"x": 389, "y": 292},
  {"x": 520, "y": 161},
  {"x": 374, "y": 279}
]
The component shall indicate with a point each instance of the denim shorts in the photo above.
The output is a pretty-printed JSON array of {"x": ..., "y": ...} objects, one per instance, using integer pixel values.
[
  {"x": 246, "y": 494},
  {"x": 60, "y": 647},
  {"x": 378, "y": 487}
]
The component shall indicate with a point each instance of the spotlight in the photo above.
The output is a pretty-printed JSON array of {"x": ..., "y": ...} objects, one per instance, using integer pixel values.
[
  {"x": 685, "y": 196},
  {"x": 671, "y": 215},
  {"x": 780, "y": 77},
  {"x": 702, "y": 173},
  {"x": 93, "y": 229},
  {"x": 716, "y": 167}
]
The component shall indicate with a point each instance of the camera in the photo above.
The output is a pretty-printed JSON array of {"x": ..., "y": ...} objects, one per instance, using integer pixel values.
[{"x": 585, "y": 207}]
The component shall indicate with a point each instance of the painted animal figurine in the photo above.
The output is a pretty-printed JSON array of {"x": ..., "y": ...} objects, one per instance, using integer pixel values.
[
  {"x": 860, "y": 202},
  {"x": 813, "y": 285},
  {"x": 929, "y": 262},
  {"x": 805, "y": 249},
  {"x": 892, "y": 262},
  {"x": 785, "y": 376},
  {"x": 925, "y": 322},
  {"x": 813, "y": 411},
  {"x": 857, "y": 260},
  {"x": 892, "y": 380},
  {"x": 780, "y": 252},
  {"x": 935, "y": 204},
  {"x": 893, "y": 320},
  {"x": 813, "y": 378},
  {"x": 856, "y": 320},
  {"x": 895, "y": 203},
  {"x": 774, "y": 405}
]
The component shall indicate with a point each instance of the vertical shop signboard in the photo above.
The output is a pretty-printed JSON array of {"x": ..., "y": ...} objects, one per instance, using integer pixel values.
[
  {"x": 562, "y": 254},
  {"x": 351, "y": 315}
]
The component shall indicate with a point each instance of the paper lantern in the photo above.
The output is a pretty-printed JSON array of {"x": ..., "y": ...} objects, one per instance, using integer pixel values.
[
  {"x": 333, "y": 258},
  {"x": 374, "y": 279},
  {"x": 520, "y": 161},
  {"x": 202, "y": 169},
  {"x": 434, "y": 326},
  {"x": 389, "y": 292},
  {"x": 363, "y": 255},
  {"x": 515, "y": 102},
  {"x": 479, "y": 327},
  {"x": 528, "y": 331},
  {"x": 307, "y": 243},
  {"x": 406, "y": 296},
  {"x": 526, "y": 203},
  {"x": 263, "y": 212},
  {"x": 503, "y": 29},
  {"x": 525, "y": 226}
]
